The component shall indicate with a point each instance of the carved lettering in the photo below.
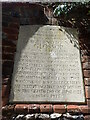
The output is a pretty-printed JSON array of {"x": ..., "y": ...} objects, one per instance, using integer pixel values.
[{"x": 47, "y": 66}]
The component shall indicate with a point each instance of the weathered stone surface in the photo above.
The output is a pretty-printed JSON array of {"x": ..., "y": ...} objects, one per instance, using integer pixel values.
[
  {"x": 55, "y": 115},
  {"x": 19, "y": 117},
  {"x": 29, "y": 117},
  {"x": 47, "y": 66},
  {"x": 42, "y": 116},
  {"x": 73, "y": 117}
]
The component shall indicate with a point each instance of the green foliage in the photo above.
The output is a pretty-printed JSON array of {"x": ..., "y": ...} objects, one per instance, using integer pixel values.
[
  {"x": 66, "y": 9},
  {"x": 76, "y": 15}
]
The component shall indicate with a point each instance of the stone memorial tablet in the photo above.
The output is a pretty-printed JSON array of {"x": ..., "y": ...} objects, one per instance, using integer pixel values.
[{"x": 47, "y": 66}]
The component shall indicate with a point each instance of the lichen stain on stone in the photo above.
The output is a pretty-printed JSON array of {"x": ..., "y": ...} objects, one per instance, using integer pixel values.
[{"x": 46, "y": 43}]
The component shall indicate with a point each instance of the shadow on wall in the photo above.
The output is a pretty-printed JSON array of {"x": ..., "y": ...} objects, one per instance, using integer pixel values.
[
  {"x": 27, "y": 14},
  {"x": 28, "y": 33},
  {"x": 71, "y": 34}
]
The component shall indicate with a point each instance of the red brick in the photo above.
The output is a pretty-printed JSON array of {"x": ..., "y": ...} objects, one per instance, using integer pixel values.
[
  {"x": 46, "y": 108},
  {"x": 8, "y": 63},
  {"x": 8, "y": 18},
  {"x": 87, "y": 73},
  {"x": 86, "y": 65},
  {"x": 8, "y": 49},
  {"x": 34, "y": 108},
  {"x": 84, "y": 40},
  {"x": 5, "y": 91},
  {"x": 87, "y": 117},
  {"x": 87, "y": 91},
  {"x": 73, "y": 108},
  {"x": 8, "y": 108},
  {"x": 84, "y": 109},
  {"x": 5, "y": 101},
  {"x": 85, "y": 52},
  {"x": 88, "y": 45},
  {"x": 5, "y": 118},
  {"x": 12, "y": 37},
  {"x": 59, "y": 108},
  {"x": 8, "y": 56},
  {"x": 14, "y": 25},
  {"x": 20, "y": 4},
  {"x": 21, "y": 108},
  {"x": 87, "y": 81},
  {"x": 88, "y": 102},
  {"x": 4, "y": 88},
  {"x": 5, "y": 81},
  {"x": 15, "y": 20},
  {"x": 9, "y": 30},
  {"x": 7, "y": 70},
  {"x": 8, "y": 43}
]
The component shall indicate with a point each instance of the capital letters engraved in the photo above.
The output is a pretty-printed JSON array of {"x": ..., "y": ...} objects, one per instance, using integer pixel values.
[{"x": 47, "y": 66}]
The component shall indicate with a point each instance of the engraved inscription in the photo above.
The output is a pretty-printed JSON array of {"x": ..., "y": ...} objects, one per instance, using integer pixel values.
[{"x": 47, "y": 66}]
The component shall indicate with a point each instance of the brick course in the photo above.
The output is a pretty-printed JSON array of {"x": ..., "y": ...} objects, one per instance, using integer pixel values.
[
  {"x": 46, "y": 108},
  {"x": 34, "y": 108},
  {"x": 87, "y": 81},
  {"x": 86, "y": 65},
  {"x": 21, "y": 108},
  {"x": 87, "y": 89},
  {"x": 85, "y": 109},
  {"x": 73, "y": 108},
  {"x": 87, "y": 73},
  {"x": 59, "y": 108}
]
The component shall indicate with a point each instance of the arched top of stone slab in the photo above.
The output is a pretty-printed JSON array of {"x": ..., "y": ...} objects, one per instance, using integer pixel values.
[{"x": 47, "y": 66}]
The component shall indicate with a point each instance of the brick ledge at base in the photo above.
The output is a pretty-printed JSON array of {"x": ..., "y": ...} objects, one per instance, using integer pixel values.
[{"x": 45, "y": 108}]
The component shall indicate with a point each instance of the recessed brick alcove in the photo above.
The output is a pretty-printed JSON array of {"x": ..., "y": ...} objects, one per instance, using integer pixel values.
[{"x": 14, "y": 15}]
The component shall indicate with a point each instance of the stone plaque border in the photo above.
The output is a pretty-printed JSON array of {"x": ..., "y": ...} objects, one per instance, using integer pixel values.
[{"x": 56, "y": 102}]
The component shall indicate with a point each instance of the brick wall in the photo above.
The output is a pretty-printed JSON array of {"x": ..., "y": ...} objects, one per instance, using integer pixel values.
[{"x": 18, "y": 14}]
